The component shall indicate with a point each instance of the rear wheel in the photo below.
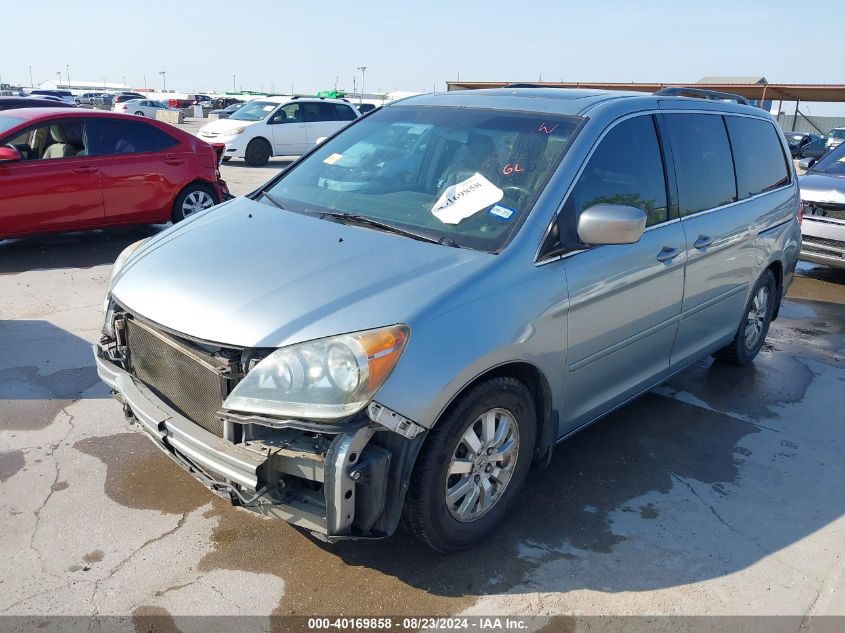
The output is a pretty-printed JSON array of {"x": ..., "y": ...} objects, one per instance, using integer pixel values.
[
  {"x": 757, "y": 317},
  {"x": 258, "y": 152},
  {"x": 226, "y": 159},
  {"x": 139, "y": 113},
  {"x": 471, "y": 469},
  {"x": 193, "y": 199}
]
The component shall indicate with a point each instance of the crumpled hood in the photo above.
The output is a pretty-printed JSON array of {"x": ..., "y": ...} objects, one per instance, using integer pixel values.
[
  {"x": 822, "y": 188},
  {"x": 248, "y": 274}
]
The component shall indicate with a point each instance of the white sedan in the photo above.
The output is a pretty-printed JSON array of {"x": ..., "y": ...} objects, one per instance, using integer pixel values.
[{"x": 141, "y": 107}]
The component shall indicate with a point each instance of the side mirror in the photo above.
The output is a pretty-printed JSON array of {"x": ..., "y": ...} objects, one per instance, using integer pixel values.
[
  {"x": 611, "y": 224},
  {"x": 806, "y": 163},
  {"x": 320, "y": 140},
  {"x": 279, "y": 119},
  {"x": 9, "y": 155}
]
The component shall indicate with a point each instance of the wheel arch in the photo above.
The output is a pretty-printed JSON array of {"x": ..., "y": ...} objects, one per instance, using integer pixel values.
[
  {"x": 537, "y": 383},
  {"x": 194, "y": 181},
  {"x": 776, "y": 267}
]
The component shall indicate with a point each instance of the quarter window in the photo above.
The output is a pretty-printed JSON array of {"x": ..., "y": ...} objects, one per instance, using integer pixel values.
[
  {"x": 119, "y": 136},
  {"x": 703, "y": 164},
  {"x": 758, "y": 156},
  {"x": 627, "y": 169}
]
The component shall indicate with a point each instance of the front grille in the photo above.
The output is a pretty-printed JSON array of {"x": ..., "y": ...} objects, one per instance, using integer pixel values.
[
  {"x": 824, "y": 210},
  {"x": 187, "y": 379}
]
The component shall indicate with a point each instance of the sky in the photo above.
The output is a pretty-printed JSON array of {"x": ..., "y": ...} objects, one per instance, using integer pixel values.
[{"x": 308, "y": 45}]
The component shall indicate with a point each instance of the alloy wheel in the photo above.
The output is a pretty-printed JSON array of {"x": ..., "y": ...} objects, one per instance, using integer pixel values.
[
  {"x": 196, "y": 201},
  {"x": 756, "y": 319},
  {"x": 482, "y": 464}
]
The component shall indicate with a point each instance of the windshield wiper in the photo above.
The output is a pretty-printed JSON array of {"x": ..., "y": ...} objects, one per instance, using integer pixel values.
[
  {"x": 271, "y": 198},
  {"x": 354, "y": 218}
]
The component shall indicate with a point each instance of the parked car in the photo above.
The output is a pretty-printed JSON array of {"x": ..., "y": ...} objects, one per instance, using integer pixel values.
[
  {"x": 144, "y": 107},
  {"x": 9, "y": 103},
  {"x": 835, "y": 137},
  {"x": 823, "y": 195},
  {"x": 278, "y": 126},
  {"x": 814, "y": 149},
  {"x": 87, "y": 98},
  {"x": 64, "y": 95},
  {"x": 797, "y": 141},
  {"x": 119, "y": 101},
  {"x": 65, "y": 170},
  {"x": 226, "y": 112},
  {"x": 220, "y": 103},
  {"x": 433, "y": 298}
]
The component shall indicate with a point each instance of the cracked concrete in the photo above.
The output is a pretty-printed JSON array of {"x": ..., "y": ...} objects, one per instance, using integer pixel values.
[{"x": 722, "y": 492}]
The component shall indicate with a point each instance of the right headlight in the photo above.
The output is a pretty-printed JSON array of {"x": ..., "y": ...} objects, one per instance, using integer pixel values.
[{"x": 325, "y": 379}]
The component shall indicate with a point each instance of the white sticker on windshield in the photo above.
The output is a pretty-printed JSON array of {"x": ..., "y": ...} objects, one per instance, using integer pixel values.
[
  {"x": 267, "y": 108},
  {"x": 466, "y": 198},
  {"x": 331, "y": 160}
]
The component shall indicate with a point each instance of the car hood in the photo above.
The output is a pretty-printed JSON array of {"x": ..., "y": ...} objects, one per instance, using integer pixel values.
[
  {"x": 247, "y": 274},
  {"x": 224, "y": 125},
  {"x": 822, "y": 188}
]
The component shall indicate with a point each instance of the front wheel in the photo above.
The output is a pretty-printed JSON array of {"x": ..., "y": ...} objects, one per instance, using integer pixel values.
[
  {"x": 192, "y": 199},
  {"x": 257, "y": 153},
  {"x": 139, "y": 113},
  {"x": 471, "y": 469},
  {"x": 756, "y": 318}
]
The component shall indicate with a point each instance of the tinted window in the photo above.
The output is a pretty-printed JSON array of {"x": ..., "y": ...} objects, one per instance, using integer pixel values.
[
  {"x": 626, "y": 168},
  {"x": 117, "y": 136},
  {"x": 703, "y": 164},
  {"x": 317, "y": 111},
  {"x": 758, "y": 156},
  {"x": 344, "y": 112}
]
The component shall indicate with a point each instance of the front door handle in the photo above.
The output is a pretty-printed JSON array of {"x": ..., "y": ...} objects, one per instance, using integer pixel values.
[
  {"x": 84, "y": 170},
  {"x": 703, "y": 242},
  {"x": 174, "y": 161},
  {"x": 667, "y": 254}
]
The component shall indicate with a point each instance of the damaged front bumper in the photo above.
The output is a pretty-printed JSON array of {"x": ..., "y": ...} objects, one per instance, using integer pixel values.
[{"x": 347, "y": 481}]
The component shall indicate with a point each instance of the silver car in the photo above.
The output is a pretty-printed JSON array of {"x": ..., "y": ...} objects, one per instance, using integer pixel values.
[
  {"x": 423, "y": 306},
  {"x": 823, "y": 193}
]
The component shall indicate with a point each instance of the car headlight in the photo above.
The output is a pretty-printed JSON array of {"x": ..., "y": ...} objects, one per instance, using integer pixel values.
[
  {"x": 237, "y": 130},
  {"x": 119, "y": 263},
  {"x": 325, "y": 379}
]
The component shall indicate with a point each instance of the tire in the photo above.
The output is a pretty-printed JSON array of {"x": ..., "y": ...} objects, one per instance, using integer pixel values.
[
  {"x": 258, "y": 152},
  {"x": 193, "y": 198},
  {"x": 756, "y": 318},
  {"x": 139, "y": 113},
  {"x": 226, "y": 159},
  {"x": 449, "y": 526}
]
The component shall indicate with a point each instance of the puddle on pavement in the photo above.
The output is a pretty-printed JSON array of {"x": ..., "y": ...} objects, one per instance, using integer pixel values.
[
  {"x": 94, "y": 557},
  {"x": 149, "y": 619},
  {"x": 10, "y": 463},
  {"x": 140, "y": 476},
  {"x": 31, "y": 401}
]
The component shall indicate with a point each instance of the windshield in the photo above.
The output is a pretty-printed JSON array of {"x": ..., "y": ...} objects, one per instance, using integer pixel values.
[
  {"x": 794, "y": 139},
  {"x": 8, "y": 122},
  {"x": 254, "y": 111},
  {"x": 465, "y": 176},
  {"x": 837, "y": 134},
  {"x": 833, "y": 162}
]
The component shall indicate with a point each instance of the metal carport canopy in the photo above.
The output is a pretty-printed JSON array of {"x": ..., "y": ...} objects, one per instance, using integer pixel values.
[{"x": 774, "y": 92}]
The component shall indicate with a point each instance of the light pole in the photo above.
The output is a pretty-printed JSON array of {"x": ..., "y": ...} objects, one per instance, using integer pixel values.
[
  {"x": 58, "y": 78},
  {"x": 163, "y": 74},
  {"x": 67, "y": 74},
  {"x": 123, "y": 80},
  {"x": 363, "y": 69},
  {"x": 31, "y": 83},
  {"x": 234, "y": 89}
]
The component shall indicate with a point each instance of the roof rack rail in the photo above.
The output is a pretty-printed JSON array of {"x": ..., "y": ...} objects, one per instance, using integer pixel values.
[
  {"x": 700, "y": 93},
  {"x": 527, "y": 85}
]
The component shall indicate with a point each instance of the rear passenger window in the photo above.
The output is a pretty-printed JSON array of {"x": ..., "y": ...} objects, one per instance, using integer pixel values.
[
  {"x": 626, "y": 168},
  {"x": 344, "y": 112},
  {"x": 758, "y": 155},
  {"x": 119, "y": 136},
  {"x": 703, "y": 164}
]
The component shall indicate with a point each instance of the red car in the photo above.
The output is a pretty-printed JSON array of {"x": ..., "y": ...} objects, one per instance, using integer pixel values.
[{"x": 67, "y": 170}]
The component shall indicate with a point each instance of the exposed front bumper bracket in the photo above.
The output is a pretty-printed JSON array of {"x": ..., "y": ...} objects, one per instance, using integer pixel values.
[{"x": 389, "y": 419}]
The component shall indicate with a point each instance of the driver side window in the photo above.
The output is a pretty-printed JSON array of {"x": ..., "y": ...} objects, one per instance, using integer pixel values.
[
  {"x": 52, "y": 141},
  {"x": 290, "y": 113},
  {"x": 626, "y": 169}
]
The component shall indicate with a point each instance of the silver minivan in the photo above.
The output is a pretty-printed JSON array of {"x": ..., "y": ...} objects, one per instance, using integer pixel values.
[{"x": 422, "y": 307}]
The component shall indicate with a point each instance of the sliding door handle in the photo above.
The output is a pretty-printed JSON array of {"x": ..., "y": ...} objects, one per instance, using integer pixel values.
[{"x": 703, "y": 242}]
